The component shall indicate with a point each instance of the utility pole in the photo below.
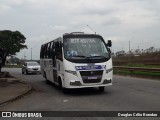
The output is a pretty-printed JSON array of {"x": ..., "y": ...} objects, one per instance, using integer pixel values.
[
  {"x": 24, "y": 55},
  {"x": 129, "y": 47},
  {"x": 31, "y": 53}
]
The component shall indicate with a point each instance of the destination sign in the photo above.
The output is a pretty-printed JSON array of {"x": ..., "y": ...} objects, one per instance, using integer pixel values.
[{"x": 82, "y": 40}]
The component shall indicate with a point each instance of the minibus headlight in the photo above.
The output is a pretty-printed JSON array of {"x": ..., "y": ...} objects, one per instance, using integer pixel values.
[
  {"x": 107, "y": 81},
  {"x": 109, "y": 70},
  {"x": 71, "y": 72}
]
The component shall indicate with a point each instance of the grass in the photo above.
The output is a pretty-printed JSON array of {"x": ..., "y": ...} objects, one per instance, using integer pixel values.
[
  {"x": 138, "y": 73},
  {"x": 142, "y": 65},
  {"x": 12, "y": 66}
]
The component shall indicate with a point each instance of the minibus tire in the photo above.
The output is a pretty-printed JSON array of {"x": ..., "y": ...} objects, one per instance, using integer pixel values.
[
  {"x": 101, "y": 89},
  {"x": 65, "y": 90},
  {"x": 47, "y": 81},
  {"x": 60, "y": 83}
]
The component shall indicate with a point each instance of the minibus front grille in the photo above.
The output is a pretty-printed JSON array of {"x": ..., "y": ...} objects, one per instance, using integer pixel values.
[{"x": 96, "y": 75}]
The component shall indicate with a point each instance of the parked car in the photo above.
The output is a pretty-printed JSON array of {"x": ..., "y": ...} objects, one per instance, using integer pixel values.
[{"x": 30, "y": 67}]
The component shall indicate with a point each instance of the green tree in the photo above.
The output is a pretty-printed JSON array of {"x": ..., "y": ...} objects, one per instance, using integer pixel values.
[{"x": 11, "y": 42}]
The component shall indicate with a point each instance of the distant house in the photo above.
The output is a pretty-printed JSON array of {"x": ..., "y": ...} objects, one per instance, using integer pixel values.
[
  {"x": 120, "y": 53},
  {"x": 12, "y": 61}
]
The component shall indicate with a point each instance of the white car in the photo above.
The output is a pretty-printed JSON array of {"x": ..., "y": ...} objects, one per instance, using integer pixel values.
[{"x": 30, "y": 67}]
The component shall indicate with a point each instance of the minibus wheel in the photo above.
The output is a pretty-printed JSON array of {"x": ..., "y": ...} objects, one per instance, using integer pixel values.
[
  {"x": 65, "y": 90},
  {"x": 60, "y": 83},
  {"x": 47, "y": 81},
  {"x": 101, "y": 89}
]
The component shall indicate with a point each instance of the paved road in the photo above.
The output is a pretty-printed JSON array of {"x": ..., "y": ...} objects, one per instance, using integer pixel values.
[{"x": 126, "y": 94}]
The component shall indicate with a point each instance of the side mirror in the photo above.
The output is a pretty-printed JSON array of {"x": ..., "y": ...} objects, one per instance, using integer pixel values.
[{"x": 109, "y": 44}]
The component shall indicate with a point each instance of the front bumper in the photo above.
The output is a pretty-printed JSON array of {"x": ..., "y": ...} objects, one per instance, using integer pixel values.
[
  {"x": 33, "y": 71},
  {"x": 78, "y": 84}
]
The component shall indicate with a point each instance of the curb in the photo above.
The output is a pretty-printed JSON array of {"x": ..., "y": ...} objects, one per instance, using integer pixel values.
[{"x": 20, "y": 95}]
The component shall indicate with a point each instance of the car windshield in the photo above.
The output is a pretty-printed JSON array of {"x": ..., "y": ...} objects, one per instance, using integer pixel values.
[
  {"x": 85, "y": 48},
  {"x": 32, "y": 64}
]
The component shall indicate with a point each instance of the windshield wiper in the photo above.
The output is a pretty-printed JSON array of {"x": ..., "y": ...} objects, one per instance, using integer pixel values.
[
  {"x": 89, "y": 57},
  {"x": 80, "y": 56},
  {"x": 96, "y": 56}
]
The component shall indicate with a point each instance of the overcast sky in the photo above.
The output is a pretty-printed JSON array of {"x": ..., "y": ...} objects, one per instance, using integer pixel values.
[{"x": 121, "y": 21}]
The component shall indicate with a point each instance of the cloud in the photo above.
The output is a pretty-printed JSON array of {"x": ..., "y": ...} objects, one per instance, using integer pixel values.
[
  {"x": 58, "y": 27},
  {"x": 138, "y": 18},
  {"x": 4, "y": 8}
]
